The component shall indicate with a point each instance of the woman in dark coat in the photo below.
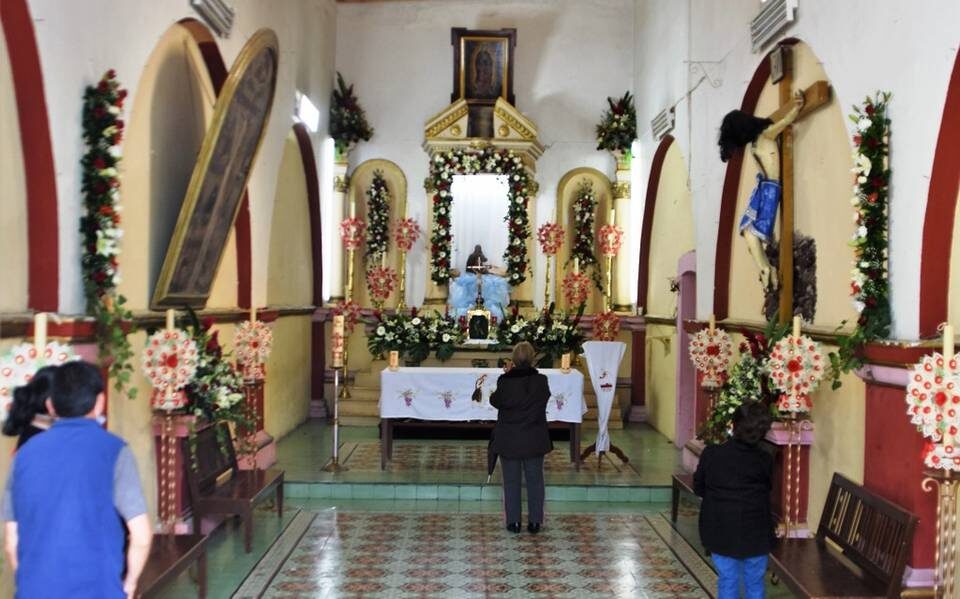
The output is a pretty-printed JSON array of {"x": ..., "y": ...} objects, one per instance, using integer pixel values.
[
  {"x": 736, "y": 527},
  {"x": 28, "y": 411},
  {"x": 520, "y": 437}
]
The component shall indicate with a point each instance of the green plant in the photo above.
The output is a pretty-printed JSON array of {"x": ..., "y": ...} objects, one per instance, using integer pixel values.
[
  {"x": 618, "y": 127},
  {"x": 348, "y": 121}
]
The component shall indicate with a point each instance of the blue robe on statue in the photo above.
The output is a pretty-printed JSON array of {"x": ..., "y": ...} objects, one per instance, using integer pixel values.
[{"x": 463, "y": 294}]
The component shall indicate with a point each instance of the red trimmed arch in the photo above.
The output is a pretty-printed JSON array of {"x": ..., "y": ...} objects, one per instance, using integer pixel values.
[
  {"x": 43, "y": 278},
  {"x": 941, "y": 211},
  {"x": 646, "y": 228},
  {"x": 728, "y": 200}
]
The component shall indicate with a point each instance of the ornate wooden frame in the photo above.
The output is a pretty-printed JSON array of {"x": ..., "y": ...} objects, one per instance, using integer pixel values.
[{"x": 458, "y": 37}]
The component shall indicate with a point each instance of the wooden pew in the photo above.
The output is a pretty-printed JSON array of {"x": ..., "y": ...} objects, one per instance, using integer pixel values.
[
  {"x": 218, "y": 486},
  {"x": 860, "y": 549},
  {"x": 169, "y": 556}
]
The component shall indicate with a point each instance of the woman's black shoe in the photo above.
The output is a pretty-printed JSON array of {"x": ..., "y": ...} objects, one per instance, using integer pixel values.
[
  {"x": 533, "y": 528},
  {"x": 514, "y": 527}
]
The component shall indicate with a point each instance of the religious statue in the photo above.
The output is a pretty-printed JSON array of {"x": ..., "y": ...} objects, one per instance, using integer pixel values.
[
  {"x": 756, "y": 226},
  {"x": 481, "y": 285}
]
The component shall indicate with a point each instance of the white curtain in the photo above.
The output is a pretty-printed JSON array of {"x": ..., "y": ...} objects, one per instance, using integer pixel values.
[{"x": 479, "y": 207}]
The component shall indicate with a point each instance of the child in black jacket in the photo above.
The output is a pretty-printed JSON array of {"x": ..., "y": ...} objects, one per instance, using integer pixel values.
[{"x": 736, "y": 526}]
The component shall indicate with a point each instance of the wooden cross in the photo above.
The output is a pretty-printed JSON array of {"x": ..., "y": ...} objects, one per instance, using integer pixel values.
[{"x": 815, "y": 96}]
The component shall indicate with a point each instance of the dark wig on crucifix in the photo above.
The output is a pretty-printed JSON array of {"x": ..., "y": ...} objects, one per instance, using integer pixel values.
[{"x": 738, "y": 129}]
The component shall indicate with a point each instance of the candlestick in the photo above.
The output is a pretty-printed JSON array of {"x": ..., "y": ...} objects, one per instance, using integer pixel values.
[
  {"x": 338, "y": 340},
  {"x": 796, "y": 326},
  {"x": 40, "y": 331},
  {"x": 947, "y": 344},
  {"x": 253, "y": 314},
  {"x": 170, "y": 319},
  {"x": 713, "y": 323},
  {"x": 576, "y": 265}
]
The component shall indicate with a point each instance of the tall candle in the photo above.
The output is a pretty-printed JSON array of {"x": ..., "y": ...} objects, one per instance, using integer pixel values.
[
  {"x": 576, "y": 265},
  {"x": 796, "y": 326},
  {"x": 383, "y": 260},
  {"x": 613, "y": 216},
  {"x": 170, "y": 319},
  {"x": 338, "y": 341},
  {"x": 713, "y": 323},
  {"x": 253, "y": 313},
  {"x": 353, "y": 208},
  {"x": 40, "y": 331},
  {"x": 947, "y": 344}
]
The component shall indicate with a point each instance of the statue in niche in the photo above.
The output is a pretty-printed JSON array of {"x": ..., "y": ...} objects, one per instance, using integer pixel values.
[
  {"x": 482, "y": 286},
  {"x": 756, "y": 225}
]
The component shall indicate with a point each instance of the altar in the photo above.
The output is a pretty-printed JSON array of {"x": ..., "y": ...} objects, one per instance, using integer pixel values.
[{"x": 445, "y": 396}]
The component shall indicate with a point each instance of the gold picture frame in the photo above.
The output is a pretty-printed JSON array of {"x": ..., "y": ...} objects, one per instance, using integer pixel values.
[
  {"x": 219, "y": 179},
  {"x": 483, "y": 65}
]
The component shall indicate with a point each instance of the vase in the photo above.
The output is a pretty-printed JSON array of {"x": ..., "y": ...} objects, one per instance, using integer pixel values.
[{"x": 623, "y": 159}]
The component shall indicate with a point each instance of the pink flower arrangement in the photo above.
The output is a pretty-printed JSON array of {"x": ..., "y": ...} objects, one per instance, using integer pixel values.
[
  {"x": 550, "y": 236},
  {"x": 406, "y": 234},
  {"x": 575, "y": 287},
  {"x": 796, "y": 367},
  {"x": 351, "y": 233},
  {"x": 351, "y": 313},
  {"x": 606, "y": 326},
  {"x": 381, "y": 281},
  {"x": 611, "y": 238}
]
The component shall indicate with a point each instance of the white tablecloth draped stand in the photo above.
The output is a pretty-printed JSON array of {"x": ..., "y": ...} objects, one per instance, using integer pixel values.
[{"x": 603, "y": 363}]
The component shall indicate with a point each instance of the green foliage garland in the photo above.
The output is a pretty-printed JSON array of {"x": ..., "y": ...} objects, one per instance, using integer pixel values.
[
  {"x": 100, "y": 227},
  {"x": 378, "y": 218}
]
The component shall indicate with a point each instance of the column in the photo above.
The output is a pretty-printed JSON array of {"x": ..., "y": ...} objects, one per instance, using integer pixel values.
[{"x": 622, "y": 281}]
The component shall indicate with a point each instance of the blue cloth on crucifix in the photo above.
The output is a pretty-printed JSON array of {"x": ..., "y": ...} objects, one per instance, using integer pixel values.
[
  {"x": 761, "y": 213},
  {"x": 463, "y": 294}
]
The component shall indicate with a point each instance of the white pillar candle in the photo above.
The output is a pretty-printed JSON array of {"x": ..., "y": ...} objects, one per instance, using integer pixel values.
[
  {"x": 170, "y": 319},
  {"x": 353, "y": 208},
  {"x": 253, "y": 313},
  {"x": 576, "y": 265},
  {"x": 613, "y": 216},
  {"x": 713, "y": 323},
  {"x": 947, "y": 344},
  {"x": 40, "y": 331},
  {"x": 796, "y": 326}
]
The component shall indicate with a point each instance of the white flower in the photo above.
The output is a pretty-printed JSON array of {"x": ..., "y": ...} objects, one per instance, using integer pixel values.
[
  {"x": 864, "y": 123},
  {"x": 863, "y": 164},
  {"x": 855, "y": 201},
  {"x": 416, "y": 321},
  {"x": 446, "y": 338},
  {"x": 859, "y": 306},
  {"x": 861, "y": 179},
  {"x": 381, "y": 331},
  {"x": 856, "y": 217},
  {"x": 515, "y": 328},
  {"x": 861, "y": 231}
]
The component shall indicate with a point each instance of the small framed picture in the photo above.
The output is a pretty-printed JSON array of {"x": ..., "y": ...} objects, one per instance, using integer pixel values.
[{"x": 778, "y": 63}]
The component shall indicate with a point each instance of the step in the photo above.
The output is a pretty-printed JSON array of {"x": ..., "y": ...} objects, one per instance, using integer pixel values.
[
  {"x": 367, "y": 421},
  {"x": 371, "y": 407}
]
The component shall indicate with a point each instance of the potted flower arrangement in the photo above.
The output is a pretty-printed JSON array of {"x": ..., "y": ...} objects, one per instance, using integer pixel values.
[
  {"x": 554, "y": 334},
  {"x": 445, "y": 335},
  {"x": 348, "y": 121},
  {"x": 618, "y": 127},
  {"x": 513, "y": 329}
]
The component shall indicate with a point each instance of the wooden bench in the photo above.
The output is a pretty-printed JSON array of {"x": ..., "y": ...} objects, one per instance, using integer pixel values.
[
  {"x": 860, "y": 549},
  {"x": 169, "y": 556},
  {"x": 681, "y": 482},
  {"x": 218, "y": 486}
]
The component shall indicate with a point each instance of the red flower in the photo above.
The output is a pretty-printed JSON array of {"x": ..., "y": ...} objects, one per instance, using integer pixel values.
[
  {"x": 119, "y": 124},
  {"x": 103, "y": 86},
  {"x": 99, "y": 111},
  {"x": 872, "y": 198},
  {"x": 213, "y": 344},
  {"x": 206, "y": 323},
  {"x": 857, "y": 139},
  {"x": 99, "y": 163},
  {"x": 111, "y": 74},
  {"x": 172, "y": 361},
  {"x": 713, "y": 350},
  {"x": 121, "y": 94},
  {"x": 99, "y": 187},
  {"x": 99, "y": 276},
  {"x": 117, "y": 139},
  {"x": 869, "y": 109},
  {"x": 940, "y": 398},
  {"x": 794, "y": 365}
]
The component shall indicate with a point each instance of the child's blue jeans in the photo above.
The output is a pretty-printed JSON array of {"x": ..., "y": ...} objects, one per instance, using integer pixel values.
[{"x": 733, "y": 572}]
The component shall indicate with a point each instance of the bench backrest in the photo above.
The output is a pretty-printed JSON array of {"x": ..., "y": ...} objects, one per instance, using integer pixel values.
[
  {"x": 209, "y": 457},
  {"x": 875, "y": 534}
]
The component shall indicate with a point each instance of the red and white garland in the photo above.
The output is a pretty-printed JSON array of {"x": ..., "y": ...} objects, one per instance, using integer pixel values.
[
  {"x": 611, "y": 239},
  {"x": 933, "y": 404},
  {"x": 351, "y": 233},
  {"x": 711, "y": 351},
  {"x": 550, "y": 236},
  {"x": 443, "y": 167},
  {"x": 378, "y": 217},
  {"x": 170, "y": 363},
  {"x": 606, "y": 326},
  {"x": 21, "y": 362},
  {"x": 381, "y": 281},
  {"x": 252, "y": 344},
  {"x": 350, "y": 310},
  {"x": 406, "y": 234},
  {"x": 584, "y": 213},
  {"x": 575, "y": 287},
  {"x": 796, "y": 366}
]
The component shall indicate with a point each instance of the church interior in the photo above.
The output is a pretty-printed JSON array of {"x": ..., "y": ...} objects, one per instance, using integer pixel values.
[{"x": 301, "y": 254}]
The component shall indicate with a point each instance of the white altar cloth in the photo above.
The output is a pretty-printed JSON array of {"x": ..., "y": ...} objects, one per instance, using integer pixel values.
[{"x": 445, "y": 394}]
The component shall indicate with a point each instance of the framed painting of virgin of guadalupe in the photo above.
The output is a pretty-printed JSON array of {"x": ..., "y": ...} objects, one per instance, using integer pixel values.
[{"x": 483, "y": 65}]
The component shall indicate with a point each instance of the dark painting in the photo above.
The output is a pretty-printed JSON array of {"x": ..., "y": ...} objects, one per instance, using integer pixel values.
[
  {"x": 220, "y": 176},
  {"x": 483, "y": 65}
]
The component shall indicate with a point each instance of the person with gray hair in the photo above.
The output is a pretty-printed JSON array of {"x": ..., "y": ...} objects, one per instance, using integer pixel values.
[{"x": 521, "y": 437}]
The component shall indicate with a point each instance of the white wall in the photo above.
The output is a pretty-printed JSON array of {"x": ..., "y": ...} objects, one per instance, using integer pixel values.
[
  {"x": 570, "y": 55},
  {"x": 865, "y": 45},
  {"x": 78, "y": 41}
]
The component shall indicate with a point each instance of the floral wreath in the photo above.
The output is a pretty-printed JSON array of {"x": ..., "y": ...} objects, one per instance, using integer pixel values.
[
  {"x": 584, "y": 214},
  {"x": 933, "y": 404},
  {"x": 378, "y": 216},
  {"x": 19, "y": 365},
  {"x": 252, "y": 344},
  {"x": 100, "y": 226},
  {"x": 351, "y": 315},
  {"x": 796, "y": 366},
  {"x": 406, "y": 234},
  {"x": 575, "y": 287},
  {"x": 711, "y": 351},
  {"x": 606, "y": 326},
  {"x": 550, "y": 236},
  {"x": 460, "y": 162},
  {"x": 611, "y": 238},
  {"x": 351, "y": 232},
  {"x": 170, "y": 362},
  {"x": 381, "y": 281}
]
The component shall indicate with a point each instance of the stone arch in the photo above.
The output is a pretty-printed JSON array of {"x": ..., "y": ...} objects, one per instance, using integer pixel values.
[
  {"x": 822, "y": 164},
  {"x": 566, "y": 194},
  {"x": 939, "y": 278},
  {"x": 360, "y": 181}
]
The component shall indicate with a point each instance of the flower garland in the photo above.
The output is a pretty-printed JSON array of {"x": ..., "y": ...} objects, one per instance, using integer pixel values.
[
  {"x": 611, "y": 239},
  {"x": 796, "y": 367},
  {"x": 252, "y": 344},
  {"x": 348, "y": 121},
  {"x": 575, "y": 287},
  {"x": 381, "y": 281},
  {"x": 460, "y": 162},
  {"x": 933, "y": 404},
  {"x": 584, "y": 214},
  {"x": 351, "y": 232},
  {"x": 378, "y": 216},
  {"x": 100, "y": 227},
  {"x": 21, "y": 362},
  {"x": 550, "y": 237},
  {"x": 618, "y": 127},
  {"x": 406, "y": 234},
  {"x": 711, "y": 352},
  {"x": 606, "y": 326},
  {"x": 869, "y": 286},
  {"x": 170, "y": 363}
]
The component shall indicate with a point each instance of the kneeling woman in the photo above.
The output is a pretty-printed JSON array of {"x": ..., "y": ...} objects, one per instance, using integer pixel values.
[{"x": 521, "y": 438}]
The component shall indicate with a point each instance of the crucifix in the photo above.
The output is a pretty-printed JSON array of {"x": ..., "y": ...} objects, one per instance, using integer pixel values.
[
  {"x": 815, "y": 96},
  {"x": 770, "y": 142}
]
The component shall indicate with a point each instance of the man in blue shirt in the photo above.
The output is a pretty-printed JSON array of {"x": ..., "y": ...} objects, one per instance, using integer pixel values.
[{"x": 69, "y": 493}]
